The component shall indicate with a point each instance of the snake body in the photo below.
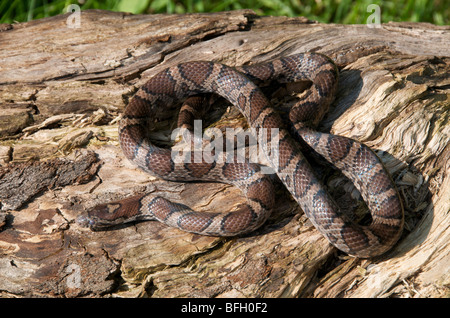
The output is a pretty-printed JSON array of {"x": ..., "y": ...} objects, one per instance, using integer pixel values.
[{"x": 360, "y": 164}]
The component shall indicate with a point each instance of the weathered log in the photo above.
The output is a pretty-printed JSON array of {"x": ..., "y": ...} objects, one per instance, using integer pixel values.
[{"x": 63, "y": 88}]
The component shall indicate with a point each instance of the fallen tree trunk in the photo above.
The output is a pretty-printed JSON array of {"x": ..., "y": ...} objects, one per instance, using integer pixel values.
[{"x": 63, "y": 88}]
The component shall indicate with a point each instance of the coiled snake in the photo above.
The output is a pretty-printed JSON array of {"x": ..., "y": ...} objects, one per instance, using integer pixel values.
[{"x": 165, "y": 90}]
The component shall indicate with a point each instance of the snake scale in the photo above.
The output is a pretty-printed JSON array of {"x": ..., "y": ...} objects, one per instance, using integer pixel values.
[{"x": 184, "y": 82}]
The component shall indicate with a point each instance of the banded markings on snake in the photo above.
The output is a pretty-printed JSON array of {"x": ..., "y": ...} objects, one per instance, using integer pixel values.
[{"x": 358, "y": 162}]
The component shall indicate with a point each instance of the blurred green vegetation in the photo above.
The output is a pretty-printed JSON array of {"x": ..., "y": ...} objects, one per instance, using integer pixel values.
[{"x": 327, "y": 11}]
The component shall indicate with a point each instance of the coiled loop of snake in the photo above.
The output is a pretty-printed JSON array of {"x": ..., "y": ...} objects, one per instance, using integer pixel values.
[{"x": 165, "y": 90}]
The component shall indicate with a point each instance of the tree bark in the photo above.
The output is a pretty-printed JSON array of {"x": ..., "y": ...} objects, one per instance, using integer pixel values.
[{"x": 62, "y": 90}]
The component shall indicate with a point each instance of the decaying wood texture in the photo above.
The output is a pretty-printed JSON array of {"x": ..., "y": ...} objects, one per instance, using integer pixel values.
[{"x": 62, "y": 90}]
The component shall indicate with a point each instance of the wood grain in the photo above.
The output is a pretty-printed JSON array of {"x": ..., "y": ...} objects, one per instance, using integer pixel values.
[{"x": 63, "y": 89}]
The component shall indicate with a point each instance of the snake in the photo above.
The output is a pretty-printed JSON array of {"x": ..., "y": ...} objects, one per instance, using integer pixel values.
[{"x": 185, "y": 84}]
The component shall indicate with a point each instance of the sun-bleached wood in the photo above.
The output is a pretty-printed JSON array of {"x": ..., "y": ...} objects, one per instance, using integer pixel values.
[{"x": 62, "y": 90}]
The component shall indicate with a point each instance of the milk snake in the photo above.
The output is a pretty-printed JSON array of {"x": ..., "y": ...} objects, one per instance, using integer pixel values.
[{"x": 184, "y": 82}]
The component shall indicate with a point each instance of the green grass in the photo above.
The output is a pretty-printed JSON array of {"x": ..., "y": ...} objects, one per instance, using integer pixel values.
[{"x": 327, "y": 11}]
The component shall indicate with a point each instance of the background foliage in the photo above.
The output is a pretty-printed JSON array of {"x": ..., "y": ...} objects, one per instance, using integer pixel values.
[{"x": 327, "y": 11}]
